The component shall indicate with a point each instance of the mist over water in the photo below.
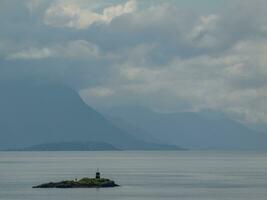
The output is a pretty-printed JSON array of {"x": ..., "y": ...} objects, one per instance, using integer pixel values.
[{"x": 186, "y": 175}]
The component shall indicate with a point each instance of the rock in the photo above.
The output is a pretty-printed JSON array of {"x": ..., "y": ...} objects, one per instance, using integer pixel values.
[{"x": 82, "y": 183}]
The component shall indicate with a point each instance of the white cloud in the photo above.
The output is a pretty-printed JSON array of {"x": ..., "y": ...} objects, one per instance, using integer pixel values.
[
  {"x": 233, "y": 82},
  {"x": 72, "y": 15},
  {"x": 115, "y": 11},
  {"x": 78, "y": 49},
  {"x": 31, "y": 53}
]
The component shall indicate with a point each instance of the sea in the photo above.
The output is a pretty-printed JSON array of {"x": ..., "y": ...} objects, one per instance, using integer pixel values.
[{"x": 155, "y": 175}]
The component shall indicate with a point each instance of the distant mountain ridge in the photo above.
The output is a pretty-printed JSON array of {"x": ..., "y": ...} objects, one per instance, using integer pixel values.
[
  {"x": 34, "y": 112},
  {"x": 203, "y": 130},
  {"x": 70, "y": 146}
]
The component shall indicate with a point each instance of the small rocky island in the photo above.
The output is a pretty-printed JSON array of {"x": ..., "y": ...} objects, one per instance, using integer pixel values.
[{"x": 96, "y": 182}]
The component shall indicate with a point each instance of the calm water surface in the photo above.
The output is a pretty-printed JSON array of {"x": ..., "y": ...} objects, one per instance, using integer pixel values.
[{"x": 186, "y": 175}]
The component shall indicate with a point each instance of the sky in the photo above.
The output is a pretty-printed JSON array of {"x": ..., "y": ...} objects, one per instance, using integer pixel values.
[{"x": 171, "y": 56}]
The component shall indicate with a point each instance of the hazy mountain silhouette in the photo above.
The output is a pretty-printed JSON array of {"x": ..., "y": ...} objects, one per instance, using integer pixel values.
[
  {"x": 203, "y": 130},
  {"x": 129, "y": 127},
  {"x": 34, "y": 112},
  {"x": 70, "y": 146}
]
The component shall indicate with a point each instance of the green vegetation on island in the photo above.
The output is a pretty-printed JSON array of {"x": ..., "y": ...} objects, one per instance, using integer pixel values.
[{"x": 82, "y": 183}]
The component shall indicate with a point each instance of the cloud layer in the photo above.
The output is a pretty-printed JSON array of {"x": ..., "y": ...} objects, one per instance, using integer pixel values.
[
  {"x": 72, "y": 15},
  {"x": 160, "y": 54}
]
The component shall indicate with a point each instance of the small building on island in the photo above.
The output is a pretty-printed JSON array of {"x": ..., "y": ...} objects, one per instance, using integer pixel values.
[{"x": 97, "y": 174}]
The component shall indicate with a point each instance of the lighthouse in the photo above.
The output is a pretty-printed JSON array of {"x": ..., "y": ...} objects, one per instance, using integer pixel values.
[{"x": 97, "y": 174}]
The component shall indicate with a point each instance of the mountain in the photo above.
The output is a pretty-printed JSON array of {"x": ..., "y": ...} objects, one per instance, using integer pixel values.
[
  {"x": 36, "y": 112},
  {"x": 261, "y": 127},
  {"x": 130, "y": 128},
  {"x": 202, "y": 130},
  {"x": 70, "y": 146}
]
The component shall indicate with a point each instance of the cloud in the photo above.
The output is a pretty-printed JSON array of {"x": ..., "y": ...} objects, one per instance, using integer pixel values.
[
  {"x": 161, "y": 55},
  {"x": 71, "y": 15},
  {"x": 201, "y": 32},
  {"x": 33, "y": 4},
  {"x": 234, "y": 82},
  {"x": 78, "y": 49},
  {"x": 31, "y": 53}
]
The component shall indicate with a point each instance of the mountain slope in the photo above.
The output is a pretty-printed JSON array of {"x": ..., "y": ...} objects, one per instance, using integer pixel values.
[
  {"x": 130, "y": 128},
  {"x": 37, "y": 112},
  {"x": 205, "y": 130}
]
